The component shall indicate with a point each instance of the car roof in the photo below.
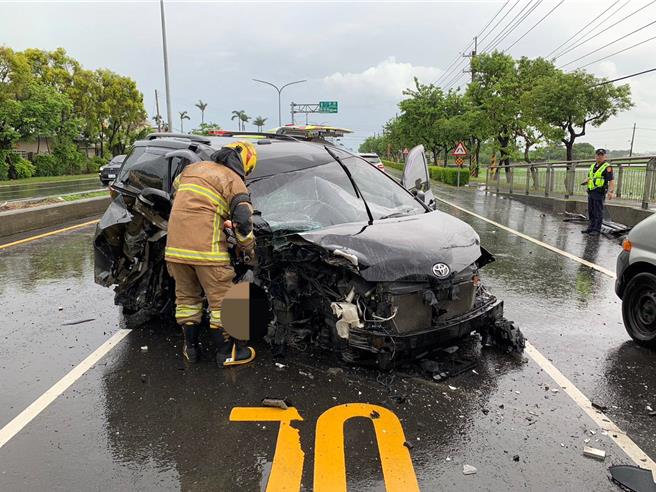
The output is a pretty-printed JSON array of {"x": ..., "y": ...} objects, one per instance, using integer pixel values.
[{"x": 275, "y": 155}]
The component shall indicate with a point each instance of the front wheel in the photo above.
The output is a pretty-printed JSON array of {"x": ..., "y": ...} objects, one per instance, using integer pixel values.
[{"x": 639, "y": 309}]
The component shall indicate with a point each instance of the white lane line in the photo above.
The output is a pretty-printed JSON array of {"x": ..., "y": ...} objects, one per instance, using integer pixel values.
[
  {"x": 41, "y": 403},
  {"x": 632, "y": 450},
  {"x": 587, "y": 263}
]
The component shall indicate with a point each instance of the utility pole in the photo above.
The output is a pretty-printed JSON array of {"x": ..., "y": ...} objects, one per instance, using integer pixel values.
[
  {"x": 632, "y": 139},
  {"x": 158, "y": 117},
  {"x": 169, "y": 109},
  {"x": 471, "y": 57},
  {"x": 471, "y": 70}
]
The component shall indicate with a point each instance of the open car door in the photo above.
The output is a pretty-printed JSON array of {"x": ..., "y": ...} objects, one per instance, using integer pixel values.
[{"x": 415, "y": 175}]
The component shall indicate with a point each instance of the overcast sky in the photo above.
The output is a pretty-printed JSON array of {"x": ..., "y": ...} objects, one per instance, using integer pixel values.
[{"x": 361, "y": 54}]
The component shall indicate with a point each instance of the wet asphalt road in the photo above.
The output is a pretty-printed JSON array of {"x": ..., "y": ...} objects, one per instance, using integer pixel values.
[
  {"x": 141, "y": 420},
  {"x": 38, "y": 190}
]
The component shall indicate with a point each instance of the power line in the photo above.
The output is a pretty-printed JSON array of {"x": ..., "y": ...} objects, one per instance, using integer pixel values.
[
  {"x": 536, "y": 25},
  {"x": 627, "y": 77},
  {"x": 621, "y": 38},
  {"x": 497, "y": 38},
  {"x": 582, "y": 31},
  {"x": 517, "y": 24},
  {"x": 458, "y": 56},
  {"x": 600, "y": 32},
  {"x": 500, "y": 21},
  {"x": 616, "y": 53}
]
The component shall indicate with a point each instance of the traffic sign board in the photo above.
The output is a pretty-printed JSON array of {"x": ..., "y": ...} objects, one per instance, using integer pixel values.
[
  {"x": 459, "y": 161},
  {"x": 327, "y": 106},
  {"x": 460, "y": 150}
]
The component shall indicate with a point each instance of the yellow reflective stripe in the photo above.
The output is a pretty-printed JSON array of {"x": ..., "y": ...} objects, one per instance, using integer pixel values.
[
  {"x": 191, "y": 306},
  {"x": 197, "y": 255},
  {"x": 244, "y": 239},
  {"x": 215, "y": 315},
  {"x": 216, "y": 233},
  {"x": 206, "y": 192},
  {"x": 176, "y": 182}
]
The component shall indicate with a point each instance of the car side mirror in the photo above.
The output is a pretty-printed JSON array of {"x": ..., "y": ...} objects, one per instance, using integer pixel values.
[{"x": 421, "y": 196}]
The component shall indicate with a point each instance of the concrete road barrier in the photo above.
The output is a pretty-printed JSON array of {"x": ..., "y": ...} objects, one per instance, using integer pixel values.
[{"x": 29, "y": 219}]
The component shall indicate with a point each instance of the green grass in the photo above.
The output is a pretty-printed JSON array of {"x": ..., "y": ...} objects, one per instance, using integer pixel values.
[
  {"x": 47, "y": 179},
  {"x": 81, "y": 196}
]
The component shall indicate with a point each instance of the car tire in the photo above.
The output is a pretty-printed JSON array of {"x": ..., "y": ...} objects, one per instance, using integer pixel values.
[{"x": 639, "y": 309}]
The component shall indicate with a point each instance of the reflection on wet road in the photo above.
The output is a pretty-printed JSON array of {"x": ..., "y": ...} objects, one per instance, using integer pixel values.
[
  {"x": 36, "y": 190},
  {"x": 140, "y": 419}
]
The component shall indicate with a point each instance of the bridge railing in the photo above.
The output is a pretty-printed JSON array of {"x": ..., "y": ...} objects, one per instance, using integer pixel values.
[{"x": 635, "y": 178}]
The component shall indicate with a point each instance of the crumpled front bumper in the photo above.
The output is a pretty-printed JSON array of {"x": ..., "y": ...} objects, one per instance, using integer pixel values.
[{"x": 414, "y": 344}]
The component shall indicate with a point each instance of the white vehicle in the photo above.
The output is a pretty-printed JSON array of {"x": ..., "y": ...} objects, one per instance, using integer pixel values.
[{"x": 372, "y": 158}]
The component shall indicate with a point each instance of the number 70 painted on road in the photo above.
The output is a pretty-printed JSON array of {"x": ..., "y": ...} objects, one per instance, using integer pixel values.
[{"x": 329, "y": 460}]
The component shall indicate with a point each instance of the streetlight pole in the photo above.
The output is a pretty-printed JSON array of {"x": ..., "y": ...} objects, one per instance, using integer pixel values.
[
  {"x": 169, "y": 110},
  {"x": 279, "y": 89}
]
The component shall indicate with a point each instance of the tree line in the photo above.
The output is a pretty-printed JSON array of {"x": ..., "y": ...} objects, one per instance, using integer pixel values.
[
  {"x": 510, "y": 107},
  {"x": 49, "y": 97}
]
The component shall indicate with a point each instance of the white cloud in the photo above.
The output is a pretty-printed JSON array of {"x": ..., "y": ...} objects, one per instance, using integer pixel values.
[{"x": 386, "y": 80}]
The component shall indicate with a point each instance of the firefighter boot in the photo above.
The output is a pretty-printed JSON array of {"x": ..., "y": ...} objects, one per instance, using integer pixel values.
[
  {"x": 191, "y": 349},
  {"x": 231, "y": 352}
]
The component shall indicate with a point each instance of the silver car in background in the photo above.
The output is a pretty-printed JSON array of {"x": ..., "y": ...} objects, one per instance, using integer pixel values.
[
  {"x": 636, "y": 282},
  {"x": 373, "y": 159}
]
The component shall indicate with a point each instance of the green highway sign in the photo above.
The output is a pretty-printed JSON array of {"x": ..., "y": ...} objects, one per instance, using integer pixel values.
[{"x": 327, "y": 106}]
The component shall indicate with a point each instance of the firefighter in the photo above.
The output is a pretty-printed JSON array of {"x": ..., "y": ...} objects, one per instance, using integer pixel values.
[
  {"x": 209, "y": 196},
  {"x": 600, "y": 184}
]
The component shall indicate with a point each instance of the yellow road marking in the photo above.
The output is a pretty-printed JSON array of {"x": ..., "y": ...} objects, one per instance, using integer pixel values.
[
  {"x": 329, "y": 461},
  {"x": 288, "y": 458},
  {"x": 47, "y": 234}
]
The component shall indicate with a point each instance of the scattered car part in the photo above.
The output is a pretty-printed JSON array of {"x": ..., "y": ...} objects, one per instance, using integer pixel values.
[
  {"x": 633, "y": 478},
  {"x": 282, "y": 403},
  {"x": 598, "y": 454},
  {"x": 609, "y": 228}
]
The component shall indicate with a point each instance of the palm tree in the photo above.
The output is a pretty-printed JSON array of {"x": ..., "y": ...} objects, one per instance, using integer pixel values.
[
  {"x": 245, "y": 119},
  {"x": 202, "y": 106},
  {"x": 237, "y": 115},
  {"x": 259, "y": 122},
  {"x": 183, "y": 116}
]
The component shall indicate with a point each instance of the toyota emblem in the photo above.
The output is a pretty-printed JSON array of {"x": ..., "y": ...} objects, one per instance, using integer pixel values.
[{"x": 440, "y": 270}]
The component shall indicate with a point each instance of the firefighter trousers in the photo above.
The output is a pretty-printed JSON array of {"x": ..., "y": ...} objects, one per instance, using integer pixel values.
[{"x": 191, "y": 281}]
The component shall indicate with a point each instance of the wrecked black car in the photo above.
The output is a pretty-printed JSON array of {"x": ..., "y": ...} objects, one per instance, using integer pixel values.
[{"x": 347, "y": 259}]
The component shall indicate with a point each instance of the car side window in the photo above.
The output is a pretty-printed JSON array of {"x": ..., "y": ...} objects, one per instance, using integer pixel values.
[{"x": 146, "y": 167}]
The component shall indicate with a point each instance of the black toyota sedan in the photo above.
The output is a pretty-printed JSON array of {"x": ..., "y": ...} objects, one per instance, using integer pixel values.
[{"x": 347, "y": 258}]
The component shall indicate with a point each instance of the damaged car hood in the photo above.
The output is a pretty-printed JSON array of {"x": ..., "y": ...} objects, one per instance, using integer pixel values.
[{"x": 403, "y": 248}]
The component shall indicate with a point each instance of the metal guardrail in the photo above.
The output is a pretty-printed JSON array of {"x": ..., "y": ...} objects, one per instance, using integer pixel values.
[{"x": 635, "y": 178}]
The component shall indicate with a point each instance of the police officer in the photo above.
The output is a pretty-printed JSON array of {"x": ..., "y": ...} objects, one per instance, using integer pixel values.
[
  {"x": 600, "y": 183},
  {"x": 210, "y": 196}
]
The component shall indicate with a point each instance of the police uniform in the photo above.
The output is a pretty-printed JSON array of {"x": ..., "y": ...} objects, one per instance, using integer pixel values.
[{"x": 599, "y": 177}]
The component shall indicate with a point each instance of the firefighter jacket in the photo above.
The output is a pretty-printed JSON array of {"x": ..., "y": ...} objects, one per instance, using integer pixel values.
[{"x": 206, "y": 194}]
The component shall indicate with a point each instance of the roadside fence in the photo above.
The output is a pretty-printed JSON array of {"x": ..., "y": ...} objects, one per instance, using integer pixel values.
[{"x": 635, "y": 178}]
